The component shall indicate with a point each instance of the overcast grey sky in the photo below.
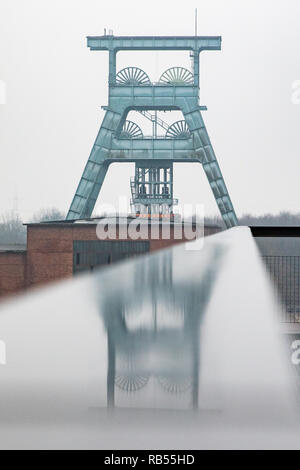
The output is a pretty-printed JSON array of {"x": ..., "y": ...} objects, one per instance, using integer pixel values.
[{"x": 55, "y": 87}]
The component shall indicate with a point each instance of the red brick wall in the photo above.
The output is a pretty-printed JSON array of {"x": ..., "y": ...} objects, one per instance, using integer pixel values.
[
  {"x": 50, "y": 250},
  {"x": 12, "y": 272},
  {"x": 50, "y": 254}
]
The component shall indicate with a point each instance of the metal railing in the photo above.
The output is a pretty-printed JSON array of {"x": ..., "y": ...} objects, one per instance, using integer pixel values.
[
  {"x": 186, "y": 328},
  {"x": 285, "y": 273}
]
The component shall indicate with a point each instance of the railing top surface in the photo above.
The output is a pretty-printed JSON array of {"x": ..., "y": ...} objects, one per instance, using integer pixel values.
[{"x": 191, "y": 326}]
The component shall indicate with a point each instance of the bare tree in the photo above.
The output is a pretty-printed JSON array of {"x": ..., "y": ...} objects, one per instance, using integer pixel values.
[
  {"x": 12, "y": 230},
  {"x": 49, "y": 214}
]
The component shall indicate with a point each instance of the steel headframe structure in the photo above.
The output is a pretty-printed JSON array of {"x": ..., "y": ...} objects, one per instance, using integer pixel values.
[{"x": 120, "y": 140}]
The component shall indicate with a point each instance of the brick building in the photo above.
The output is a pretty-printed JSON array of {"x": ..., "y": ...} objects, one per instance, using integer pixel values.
[
  {"x": 57, "y": 250},
  {"x": 12, "y": 268}
]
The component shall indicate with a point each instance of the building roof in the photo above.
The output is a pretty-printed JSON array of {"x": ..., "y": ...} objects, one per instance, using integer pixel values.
[
  {"x": 119, "y": 219},
  {"x": 12, "y": 247}
]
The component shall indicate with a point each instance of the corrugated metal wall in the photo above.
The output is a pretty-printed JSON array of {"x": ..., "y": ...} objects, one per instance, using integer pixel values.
[
  {"x": 285, "y": 272},
  {"x": 88, "y": 255}
]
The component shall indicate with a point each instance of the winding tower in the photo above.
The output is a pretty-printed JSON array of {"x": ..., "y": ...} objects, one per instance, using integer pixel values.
[{"x": 121, "y": 140}]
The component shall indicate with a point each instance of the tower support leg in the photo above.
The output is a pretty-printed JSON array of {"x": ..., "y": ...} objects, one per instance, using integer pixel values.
[
  {"x": 95, "y": 170},
  {"x": 205, "y": 152}
]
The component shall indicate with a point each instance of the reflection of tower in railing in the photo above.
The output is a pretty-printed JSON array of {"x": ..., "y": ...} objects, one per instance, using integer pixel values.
[{"x": 153, "y": 334}]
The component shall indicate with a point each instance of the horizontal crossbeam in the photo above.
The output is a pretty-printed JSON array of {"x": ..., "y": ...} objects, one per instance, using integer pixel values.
[{"x": 196, "y": 43}]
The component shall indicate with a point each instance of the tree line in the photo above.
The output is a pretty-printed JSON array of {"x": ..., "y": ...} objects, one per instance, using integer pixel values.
[{"x": 12, "y": 230}]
